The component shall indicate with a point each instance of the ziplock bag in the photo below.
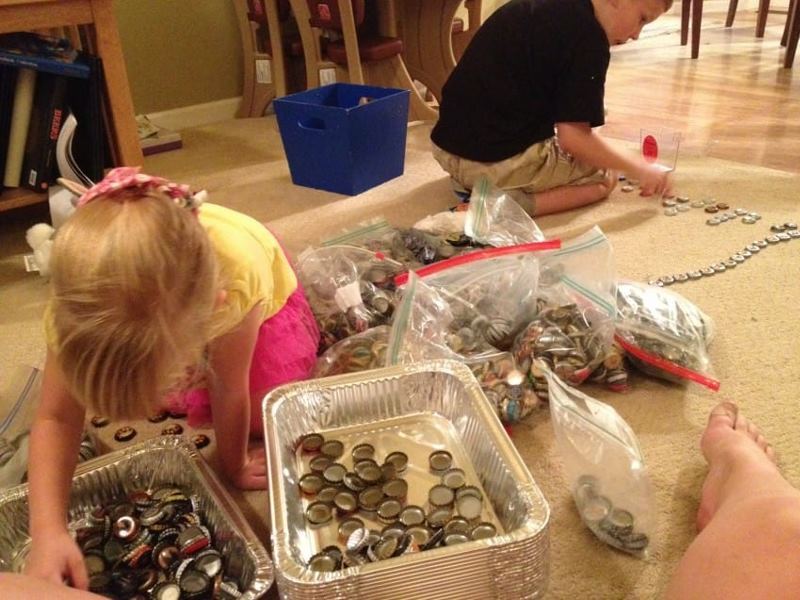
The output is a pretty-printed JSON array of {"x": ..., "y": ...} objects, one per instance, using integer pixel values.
[
  {"x": 664, "y": 334},
  {"x": 361, "y": 352},
  {"x": 501, "y": 283},
  {"x": 574, "y": 326},
  {"x": 411, "y": 247},
  {"x": 349, "y": 289},
  {"x": 505, "y": 386},
  {"x": 431, "y": 324},
  {"x": 612, "y": 371},
  {"x": 604, "y": 467},
  {"x": 496, "y": 219}
]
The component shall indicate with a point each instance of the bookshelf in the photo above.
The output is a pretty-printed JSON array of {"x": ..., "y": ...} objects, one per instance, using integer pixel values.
[{"x": 98, "y": 15}]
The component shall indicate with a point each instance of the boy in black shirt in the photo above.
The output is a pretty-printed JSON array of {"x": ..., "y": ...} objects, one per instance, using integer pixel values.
[{"x": 520, "y": 105}]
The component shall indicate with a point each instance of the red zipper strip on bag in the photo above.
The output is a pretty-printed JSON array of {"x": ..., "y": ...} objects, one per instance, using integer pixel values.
[
  {"x": 666, "y": 365},
  {"x": 469, "y": 257}
]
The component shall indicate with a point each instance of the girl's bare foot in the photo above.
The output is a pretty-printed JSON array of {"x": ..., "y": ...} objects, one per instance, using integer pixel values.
[{"x": 731, "y": 444}]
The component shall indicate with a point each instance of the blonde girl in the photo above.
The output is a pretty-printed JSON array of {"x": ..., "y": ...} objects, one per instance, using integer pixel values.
[{"x": 149, "y": 284}]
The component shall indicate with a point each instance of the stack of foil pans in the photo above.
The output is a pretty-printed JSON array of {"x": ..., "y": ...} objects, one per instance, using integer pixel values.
[
  {"x": 168, "y": 460},
  {"x": 414, "y": 408}
]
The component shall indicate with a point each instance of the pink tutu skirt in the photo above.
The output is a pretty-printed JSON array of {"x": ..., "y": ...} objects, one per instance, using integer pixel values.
[{"x": 285, "y": 351}]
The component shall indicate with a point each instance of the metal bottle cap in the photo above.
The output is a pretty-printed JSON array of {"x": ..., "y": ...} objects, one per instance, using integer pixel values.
[
  {"x": 483, "y": 531},
  {"x": 420, "y": 533},
  {"x": 327, "y": 493},
  {"x": 394, "y": 529},
  {"x": 334, "y": 473},
  {"x": 469, "y": 507},
  {"x": 311, "y": 483},
  {"x": 399, "y": 460},
  {"x": 311, "y": 442},
  {"x": 439, "y": 516},
  {"x": 412, "y": 515},
  {"x": 333, "y": 449},
  {"x": 318, "y": 513},
  {"x": 345, "y": 502},
  {"x": 368, "y": 470},
  {"x": 395, "y": 488},
  {"x": 469, "y": 490},
  {"x": 319, "y": 463},
  {"x": 389, "y": 509},
  {"x": 354, "y": 482},
  {"x": 370, "y": 498},
  {"x": 451, "y": 539},
  {"x": 457, "y": 525},
  {"x": 440, "y": 461},
  {"x": 595, "y": 509},
  {"x": 323, "y": 562},
  {"x": 348, "y": 526},
  {"x": 454, "y": 478},
  {"x": 362, "y": 451},
  {"x": 441, "y": 495}
]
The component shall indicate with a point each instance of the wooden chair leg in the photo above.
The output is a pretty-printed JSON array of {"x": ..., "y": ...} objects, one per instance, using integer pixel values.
[
  {"x": 697, "y": 17},
  {"x": 788, "y": 26},
  {"x": 793, "y": 20},
  {"x": 761, "y": 23},
  {"x": 686, "y": 8},
  {"x": 248, "y": 85},
  {"x": 731, "y": 13}
]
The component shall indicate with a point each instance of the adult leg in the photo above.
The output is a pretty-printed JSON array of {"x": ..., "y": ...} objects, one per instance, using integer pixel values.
[{"x": 749, "y": 519}]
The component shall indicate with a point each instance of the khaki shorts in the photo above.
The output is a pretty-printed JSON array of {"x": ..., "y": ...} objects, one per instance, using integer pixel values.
[{"x": 541, "y": 167}]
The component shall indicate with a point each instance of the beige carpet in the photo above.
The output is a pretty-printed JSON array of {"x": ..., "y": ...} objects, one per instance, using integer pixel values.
[{"x": 755, "y": 353}]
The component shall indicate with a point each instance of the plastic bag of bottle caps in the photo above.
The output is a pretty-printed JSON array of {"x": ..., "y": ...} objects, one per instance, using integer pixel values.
[
  {"x": 360, "y": 352},
  {"x": 505, "y": 386},
  {"x": 605, "y": 468},
  {"x": 431, "y": 324},
  {"x": 350, "y": 290},
  {"x": 501, "y": 283},
  {"x": 664, "y": 334},
  {"x": 411, "y": 247}
]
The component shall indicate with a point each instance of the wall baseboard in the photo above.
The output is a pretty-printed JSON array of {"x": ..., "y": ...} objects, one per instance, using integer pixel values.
[{"x": 196, "y": 115}]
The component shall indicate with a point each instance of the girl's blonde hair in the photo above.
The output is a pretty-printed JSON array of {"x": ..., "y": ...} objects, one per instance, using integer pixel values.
[{"x": 134, "y": 281}]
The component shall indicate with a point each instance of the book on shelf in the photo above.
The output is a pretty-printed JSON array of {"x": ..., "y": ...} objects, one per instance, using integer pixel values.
[
  {"x": 43, "y": 53},
  {"x": 18, "y": 131},
  {"x": 8, "y": 82},
  {"x": 39, "y": 168}
]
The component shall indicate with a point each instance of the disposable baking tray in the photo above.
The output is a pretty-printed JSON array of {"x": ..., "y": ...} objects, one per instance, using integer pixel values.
[
  {"x": 415, "y": 409},
  {"x": 165, "y": 460}
]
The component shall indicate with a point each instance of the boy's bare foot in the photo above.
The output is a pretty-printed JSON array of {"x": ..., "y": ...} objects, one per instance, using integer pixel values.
[{"x": 730, "y": 444}]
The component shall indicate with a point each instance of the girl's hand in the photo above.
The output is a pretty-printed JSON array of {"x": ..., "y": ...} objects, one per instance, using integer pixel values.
[
  {"x": 653, "y": 180},
  {"x": 57, "y": 558},
  {"x": 253, "y": 473}
]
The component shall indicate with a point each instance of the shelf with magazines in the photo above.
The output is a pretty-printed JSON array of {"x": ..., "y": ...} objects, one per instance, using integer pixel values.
[{"x": 93, "y": 25}]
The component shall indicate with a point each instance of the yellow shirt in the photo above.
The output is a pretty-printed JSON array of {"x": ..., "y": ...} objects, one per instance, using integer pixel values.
[{"x": 253, "y": 269}]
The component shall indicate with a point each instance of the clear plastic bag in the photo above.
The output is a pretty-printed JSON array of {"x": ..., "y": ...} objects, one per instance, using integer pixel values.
[
  {"x": 505, "y": 386},
  {"x": 664, "y": 334},
  {"x": 612, "y": 371},
  {"x": 445, "y": 223},
  {"x": 495, "y": 218},
  {"x": 431, "y": 324},
  {"x": 501, "y": 283},
  {"x": 349, "y": 289},
  {"x": 361, "y": 352},
  {"x": 573, "y": 329},
  {"x": 605, "y": 469},
  {"x": 411, "y": 247}
]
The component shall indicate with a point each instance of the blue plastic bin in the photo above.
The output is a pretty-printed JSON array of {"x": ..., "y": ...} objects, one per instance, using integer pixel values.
[{"x": 334, "y": 143}]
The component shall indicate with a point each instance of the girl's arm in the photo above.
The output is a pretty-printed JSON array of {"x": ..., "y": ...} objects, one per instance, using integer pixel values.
[
  {"x": 55, "y": 437},
  {"x": 229, "y": 388}
]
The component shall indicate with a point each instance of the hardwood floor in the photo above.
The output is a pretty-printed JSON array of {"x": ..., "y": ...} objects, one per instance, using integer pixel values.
[{"x": 734, "y": 102}]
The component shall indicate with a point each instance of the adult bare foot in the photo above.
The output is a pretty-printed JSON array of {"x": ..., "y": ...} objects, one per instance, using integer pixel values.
[{"x": 731, "y": 444}]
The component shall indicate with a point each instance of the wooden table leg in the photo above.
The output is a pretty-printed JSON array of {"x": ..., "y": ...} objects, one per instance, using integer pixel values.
[
  {"x": 116, "y": 80},
  {"x": 686, "y": 9},
  {"x": 793, "y": 23}
]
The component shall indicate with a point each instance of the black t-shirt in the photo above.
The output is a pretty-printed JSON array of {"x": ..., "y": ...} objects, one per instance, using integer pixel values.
[{"x": 532, "y": 64}]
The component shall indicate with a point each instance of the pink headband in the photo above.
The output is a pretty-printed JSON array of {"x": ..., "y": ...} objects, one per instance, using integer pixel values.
[{"x": 129, "y": 178}]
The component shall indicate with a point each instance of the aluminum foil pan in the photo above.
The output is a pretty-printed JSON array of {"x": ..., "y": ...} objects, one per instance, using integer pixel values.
[
  {"x": 416, "y": 409},
  {"x": 165, "y": 460}
]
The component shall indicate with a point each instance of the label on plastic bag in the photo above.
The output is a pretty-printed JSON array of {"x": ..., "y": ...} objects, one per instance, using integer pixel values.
[{"x": 348, "y": 296}]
